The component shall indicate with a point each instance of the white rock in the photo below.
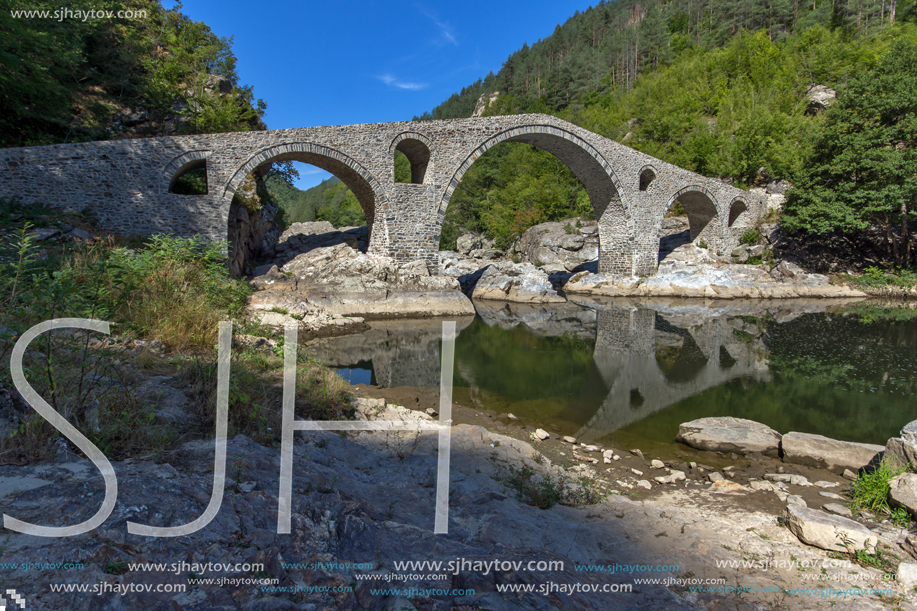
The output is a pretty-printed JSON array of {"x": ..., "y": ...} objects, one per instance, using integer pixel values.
[
  {"x": 657, "y": 464},
  {"x": 903, "y": 492},
  {"x": 637, "y": 472},
  {"x": 831, "y": 495},
  {"x": 727, "y": 434},
  {"x": 795, "y": 499},
  {"x": 907, "y": 575},
  {"x": 820, "y": 451},
  {"x": 715, "y": 477},
  {"x": 542, "y": 434},
  {"x": 838, "y": 509},
  {"x": 645, "y": 484},
  {"x": 569, "y": 439},
  {"x": 824, "y": 484},
  {"x": 827, "y": 531}
]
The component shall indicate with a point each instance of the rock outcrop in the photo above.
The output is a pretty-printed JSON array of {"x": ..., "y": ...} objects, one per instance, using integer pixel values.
[
  {"x": 341, "y": 281},
  {"x": 680, "y": 278},
  {"x": 559, "y": 246},
  {"x": 503, "y": 280}
]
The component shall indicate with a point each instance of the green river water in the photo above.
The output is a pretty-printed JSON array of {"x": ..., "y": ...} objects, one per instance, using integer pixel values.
[{"x": 630, "y": 373}]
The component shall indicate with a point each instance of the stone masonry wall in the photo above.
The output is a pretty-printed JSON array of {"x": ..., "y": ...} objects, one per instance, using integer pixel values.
[{"x": 125, "y": 184}]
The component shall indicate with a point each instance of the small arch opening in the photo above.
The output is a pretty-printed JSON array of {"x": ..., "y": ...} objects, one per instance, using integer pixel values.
[
  {"x": 726, "y": 360},
  {"x": 736, "y": 210},
  {"x": 647, "y": 176},
  {"x": 417, "y": 156},
  {"x": 636, "y": 398},
  {"x": 675, "y": 230},
  {"x": 191, "y": 179},
  {"x": 688, "y": 220}
]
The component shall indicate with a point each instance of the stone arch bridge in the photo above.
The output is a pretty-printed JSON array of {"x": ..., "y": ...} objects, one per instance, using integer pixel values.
[{"x": 126, "y": 185}]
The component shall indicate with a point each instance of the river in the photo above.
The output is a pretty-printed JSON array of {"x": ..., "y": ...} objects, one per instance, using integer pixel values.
[{"x": 628, "y": 372}]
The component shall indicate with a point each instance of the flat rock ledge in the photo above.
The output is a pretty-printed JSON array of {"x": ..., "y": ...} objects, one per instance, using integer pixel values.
[
  {"x": 729, "y": 434},
  {"x": 827, "y": 531},
  {"x": 710, "y": 281},
  {"x": 832, "y": 454}
]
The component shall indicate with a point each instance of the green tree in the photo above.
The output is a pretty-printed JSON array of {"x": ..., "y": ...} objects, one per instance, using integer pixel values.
[{"x": 863, "y": 169}]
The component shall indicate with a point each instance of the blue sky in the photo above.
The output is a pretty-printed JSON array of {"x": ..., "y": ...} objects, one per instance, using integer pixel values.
[{"x": 343, "y": 62}]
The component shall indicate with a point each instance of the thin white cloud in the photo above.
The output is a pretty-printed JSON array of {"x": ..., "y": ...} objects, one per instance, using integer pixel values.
[
  {"x": 393, "y": 81},
  {"x": 444, "y": 28}
]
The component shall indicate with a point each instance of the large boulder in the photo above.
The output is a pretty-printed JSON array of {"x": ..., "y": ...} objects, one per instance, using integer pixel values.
[
  {"x": 560, "y": 245},
  {"x": 820, "y": 451},
  {"x": 828, "y": 531},
  {"x": 820, "y": 98},
  {"x": 468, "y": 242},
  {"x": 903, "y": 492},
  {"x": 517, "y": 282},
  {"x": 900, "y": 454},
  {"x": 729, "y": 434}
]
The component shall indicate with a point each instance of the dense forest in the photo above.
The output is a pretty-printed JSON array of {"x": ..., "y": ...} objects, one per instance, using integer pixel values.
[
  {"x": 72, "y": 80},
  {"x": 716, "y": 87}
]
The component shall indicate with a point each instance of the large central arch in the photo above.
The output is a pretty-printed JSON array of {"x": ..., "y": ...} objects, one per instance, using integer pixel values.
[
  {"x": 616, "y": 227},
  {"x": 365, "y": 187}
]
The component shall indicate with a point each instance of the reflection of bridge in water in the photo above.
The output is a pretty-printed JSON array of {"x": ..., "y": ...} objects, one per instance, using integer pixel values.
[
  {"x": 637, "y": 354},
  {"x": 647, "y": 359}
]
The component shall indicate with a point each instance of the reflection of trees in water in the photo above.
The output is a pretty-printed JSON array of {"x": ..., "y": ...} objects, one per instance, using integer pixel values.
[
  {"x": 518, "y": 364},
  {"x": 648, "y": 368}
]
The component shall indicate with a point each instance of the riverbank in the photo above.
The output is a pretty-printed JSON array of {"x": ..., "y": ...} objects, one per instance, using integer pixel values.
[
  {"x": 721, "y": 516},
  {"x": 362, "y": 502},
  {"x": 318, "y": 271}
]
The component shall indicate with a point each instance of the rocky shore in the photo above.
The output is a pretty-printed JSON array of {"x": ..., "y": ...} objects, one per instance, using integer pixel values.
[
  {"x": 320, "y": 275},
  {"x": 364, "y": 501}
]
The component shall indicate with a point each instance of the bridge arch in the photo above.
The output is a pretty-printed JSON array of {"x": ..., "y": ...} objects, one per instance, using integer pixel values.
[
  {"x": 616, "y": 228},
  {"x": 365, "y": 187},
  {"x": 178, "y": 166},
  {"x": 702, "y": 210},
  {"x": 740, "y": 218},
  {"x": 417, "y": 148},
  {"x": 646, "y": 177}
]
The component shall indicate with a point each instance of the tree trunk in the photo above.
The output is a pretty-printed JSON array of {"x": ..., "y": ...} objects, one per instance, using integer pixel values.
[
  {"x": 890, "y": 241},
  {"x": 905, "y": 237}
]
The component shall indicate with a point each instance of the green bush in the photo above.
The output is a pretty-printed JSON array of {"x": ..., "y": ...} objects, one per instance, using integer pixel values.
[{"x": 750, "y": 237}]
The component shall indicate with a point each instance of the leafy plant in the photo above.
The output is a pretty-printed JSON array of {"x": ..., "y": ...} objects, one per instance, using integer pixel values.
[
  {"x": 870, "y": 489},
  {"x": 750, "y": 237}
]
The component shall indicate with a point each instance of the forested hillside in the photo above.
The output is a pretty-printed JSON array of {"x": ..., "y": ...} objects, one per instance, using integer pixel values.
[
  {"x": 157, "y": 73},
  {"x": 717, "y": 87}
]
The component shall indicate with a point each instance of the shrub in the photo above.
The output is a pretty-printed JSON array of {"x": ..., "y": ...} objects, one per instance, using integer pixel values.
[{"x": 750, "y": 237}]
